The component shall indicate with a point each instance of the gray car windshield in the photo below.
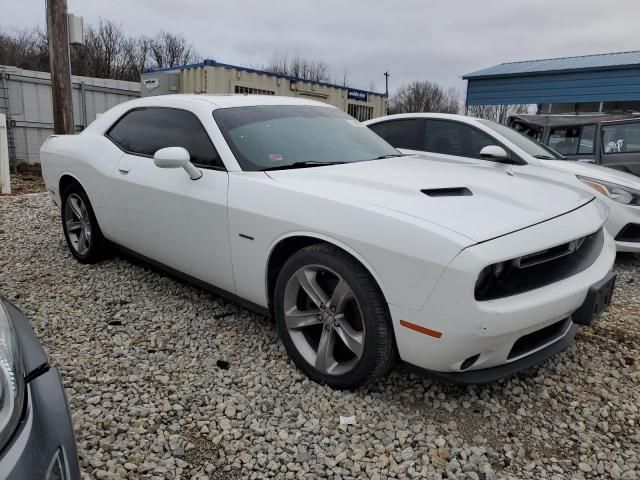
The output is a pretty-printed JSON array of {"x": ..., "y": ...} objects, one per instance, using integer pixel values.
[
  {"x": 271, "y": 137},
  {"x": 529, "y": 145}
]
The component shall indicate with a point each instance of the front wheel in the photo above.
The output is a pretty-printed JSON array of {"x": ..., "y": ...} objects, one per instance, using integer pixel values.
[{"x": 332, "y": 318}]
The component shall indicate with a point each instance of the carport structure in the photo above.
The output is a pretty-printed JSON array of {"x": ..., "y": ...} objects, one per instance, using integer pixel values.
[{"x": 589, "y": 83}]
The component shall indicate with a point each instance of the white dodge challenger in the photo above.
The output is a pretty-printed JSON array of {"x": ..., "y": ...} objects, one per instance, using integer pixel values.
[{"x": 294, "y": 208}]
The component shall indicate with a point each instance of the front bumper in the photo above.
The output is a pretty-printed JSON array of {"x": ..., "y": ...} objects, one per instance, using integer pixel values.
[
  {"x": 44, "y": 436},
  {"x": 43, "y": 444},
  {"x": 619, "y": 217},
  {"x": 569, "y": 329},
  {"x": 454, "y": 334},
  {"x": 487, "y": 375}
]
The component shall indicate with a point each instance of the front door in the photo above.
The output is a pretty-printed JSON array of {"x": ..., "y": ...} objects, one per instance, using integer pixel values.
[{"x": 161, "y": 213}]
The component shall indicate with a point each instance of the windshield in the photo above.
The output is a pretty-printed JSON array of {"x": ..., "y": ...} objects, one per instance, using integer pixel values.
[
  {"x": 529, "y": 145},
  {"x": 279, "y": 136}
]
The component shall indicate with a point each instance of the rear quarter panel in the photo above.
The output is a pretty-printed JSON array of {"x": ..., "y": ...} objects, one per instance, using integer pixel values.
[{"x": 90, "y": 159}]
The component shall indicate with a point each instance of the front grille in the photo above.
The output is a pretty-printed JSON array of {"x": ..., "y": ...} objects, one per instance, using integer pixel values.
[
  {"x": 543, "y": 268},
  {"x": 630, "y": 233},
  {"x": 537, "y": 339}
]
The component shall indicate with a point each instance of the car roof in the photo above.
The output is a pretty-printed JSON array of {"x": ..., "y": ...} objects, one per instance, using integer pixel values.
[
  {"x": 440, "y": 116},
  {"x": 559, "y": 120},
  {"x": 226, "y": 100}
]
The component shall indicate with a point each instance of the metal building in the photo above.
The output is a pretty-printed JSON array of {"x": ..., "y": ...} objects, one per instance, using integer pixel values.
[
  {"x": 25, "y": 99},
  {"x": 589, "y": 83},
  {"x": 210, "y": 76}
]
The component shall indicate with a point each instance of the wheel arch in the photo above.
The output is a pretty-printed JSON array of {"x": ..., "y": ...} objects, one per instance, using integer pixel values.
[
  {"x": 285, "y": 246},
  {"x": 67, "y": 179}
]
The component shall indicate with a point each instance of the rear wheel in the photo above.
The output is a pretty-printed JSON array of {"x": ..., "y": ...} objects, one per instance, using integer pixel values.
[
  {"x": 81, "y": 230},
  {"x": 332, "y": 318}
]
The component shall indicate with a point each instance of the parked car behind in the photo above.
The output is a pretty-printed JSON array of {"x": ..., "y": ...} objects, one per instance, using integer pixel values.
[
  {"x": 36, "y": 434},
  {"x": 604, "y": 139},
  {"x": 294, "y": 208},
  {"x": 462, "y": 139}
]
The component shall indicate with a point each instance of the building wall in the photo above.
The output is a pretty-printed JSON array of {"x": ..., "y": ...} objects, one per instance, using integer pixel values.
[
  {"x": 612, "y": 85},
  {"x": 219, "y": 79},
  {"x": 27, "y": 102}
]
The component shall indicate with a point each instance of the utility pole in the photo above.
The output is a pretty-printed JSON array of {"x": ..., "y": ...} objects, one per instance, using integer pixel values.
[
  {"x": 60, "y": 66},
  {"x": 386, "y": 83}
]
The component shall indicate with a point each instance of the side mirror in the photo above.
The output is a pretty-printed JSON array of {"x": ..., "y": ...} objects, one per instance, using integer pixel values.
[
  {"x": 176, "y": 157},
  {"x": 494, "y": 152}
]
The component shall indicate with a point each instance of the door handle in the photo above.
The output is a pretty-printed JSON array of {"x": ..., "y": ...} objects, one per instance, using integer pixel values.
[{"x": 124, "y": 166}]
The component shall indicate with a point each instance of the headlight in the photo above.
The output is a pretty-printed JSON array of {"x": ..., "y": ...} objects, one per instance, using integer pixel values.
[
  {"x": 11, "y": 378},
  {"x": 616, "y": 192},
  {"x": 488, "y": 277}
]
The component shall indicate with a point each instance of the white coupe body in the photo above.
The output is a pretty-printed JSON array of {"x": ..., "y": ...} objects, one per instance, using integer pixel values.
[
  {"x": 624, "y": 218},
  {"x": 423, "y": 231}
]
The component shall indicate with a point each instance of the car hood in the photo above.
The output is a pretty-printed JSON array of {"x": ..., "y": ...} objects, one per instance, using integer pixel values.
[
  {"x": 501, "y": 202},
  {"x": 596, "y": 172}
]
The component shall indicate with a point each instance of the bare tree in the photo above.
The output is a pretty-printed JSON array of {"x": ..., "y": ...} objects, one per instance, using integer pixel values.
[
  {"x": 299, "y": 67},
  {"x": 424, "y": 96},
  {"x": 140, "y": 51},
  {"x": 107, "y": 52},
  {"x": 169, "y": 50},
  {"x": 496, "y": 113},
  {"x": 25, "y": 49}
]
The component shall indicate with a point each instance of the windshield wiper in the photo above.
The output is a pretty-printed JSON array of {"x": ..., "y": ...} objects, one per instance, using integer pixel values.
[
  {"x": 391, "y": 155},
  {"x": 544, "y": 157},
  {"x": 305, "y": 164}
]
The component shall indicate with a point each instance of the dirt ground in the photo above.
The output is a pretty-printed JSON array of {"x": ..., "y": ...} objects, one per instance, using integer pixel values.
[{"x": 28, "y": 179}]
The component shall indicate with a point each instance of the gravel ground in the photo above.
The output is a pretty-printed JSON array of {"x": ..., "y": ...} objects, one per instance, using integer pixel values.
[
  {"x": 167, "y": 381},
  {"x": 28, "y": 179}
]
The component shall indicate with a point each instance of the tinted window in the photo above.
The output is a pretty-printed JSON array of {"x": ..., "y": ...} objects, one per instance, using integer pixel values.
[
  {"x": 274, "y": 136},
  {"x": 572, "y": 140},
  {"x": 453, "y": 138},
  {"x": 145, "y": 131},
  {"x": 621, "y": 138},
  {"x": 400, "y": 133}
]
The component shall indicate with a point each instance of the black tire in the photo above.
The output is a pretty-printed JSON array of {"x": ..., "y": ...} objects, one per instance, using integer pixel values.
[
  {"x": 379, "y": 349},
  {"x": 97, "y": 246}
]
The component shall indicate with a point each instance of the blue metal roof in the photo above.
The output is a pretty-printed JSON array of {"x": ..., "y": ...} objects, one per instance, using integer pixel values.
[
  {"x": 603, "y": 61},
  {"x": 213, "y": 63}
]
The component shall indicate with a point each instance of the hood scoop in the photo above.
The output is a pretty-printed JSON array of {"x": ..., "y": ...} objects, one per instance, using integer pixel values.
[{"x": 447, "y": 192}]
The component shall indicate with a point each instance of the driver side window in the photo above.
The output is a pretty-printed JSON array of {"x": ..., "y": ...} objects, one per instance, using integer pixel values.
[{"x": 143, "y": 131}]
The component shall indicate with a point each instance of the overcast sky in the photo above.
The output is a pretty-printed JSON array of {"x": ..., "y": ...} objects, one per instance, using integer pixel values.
[{"x": 436, "y": 40}]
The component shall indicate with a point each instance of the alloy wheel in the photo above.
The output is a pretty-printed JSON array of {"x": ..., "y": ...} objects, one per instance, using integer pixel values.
[
  {"x": 324, "y": 320},
  {"x": 78, "y": 224}
]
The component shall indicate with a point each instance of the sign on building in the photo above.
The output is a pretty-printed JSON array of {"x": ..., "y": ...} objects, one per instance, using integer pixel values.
[{"x": 357, "y": 95}]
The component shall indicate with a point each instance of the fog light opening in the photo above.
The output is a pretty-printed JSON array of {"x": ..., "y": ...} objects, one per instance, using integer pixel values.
[{"x": 469, "y": 362}]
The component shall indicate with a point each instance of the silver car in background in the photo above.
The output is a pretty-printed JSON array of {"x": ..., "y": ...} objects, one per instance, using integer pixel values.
[{"x": 469, "y": 140}]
